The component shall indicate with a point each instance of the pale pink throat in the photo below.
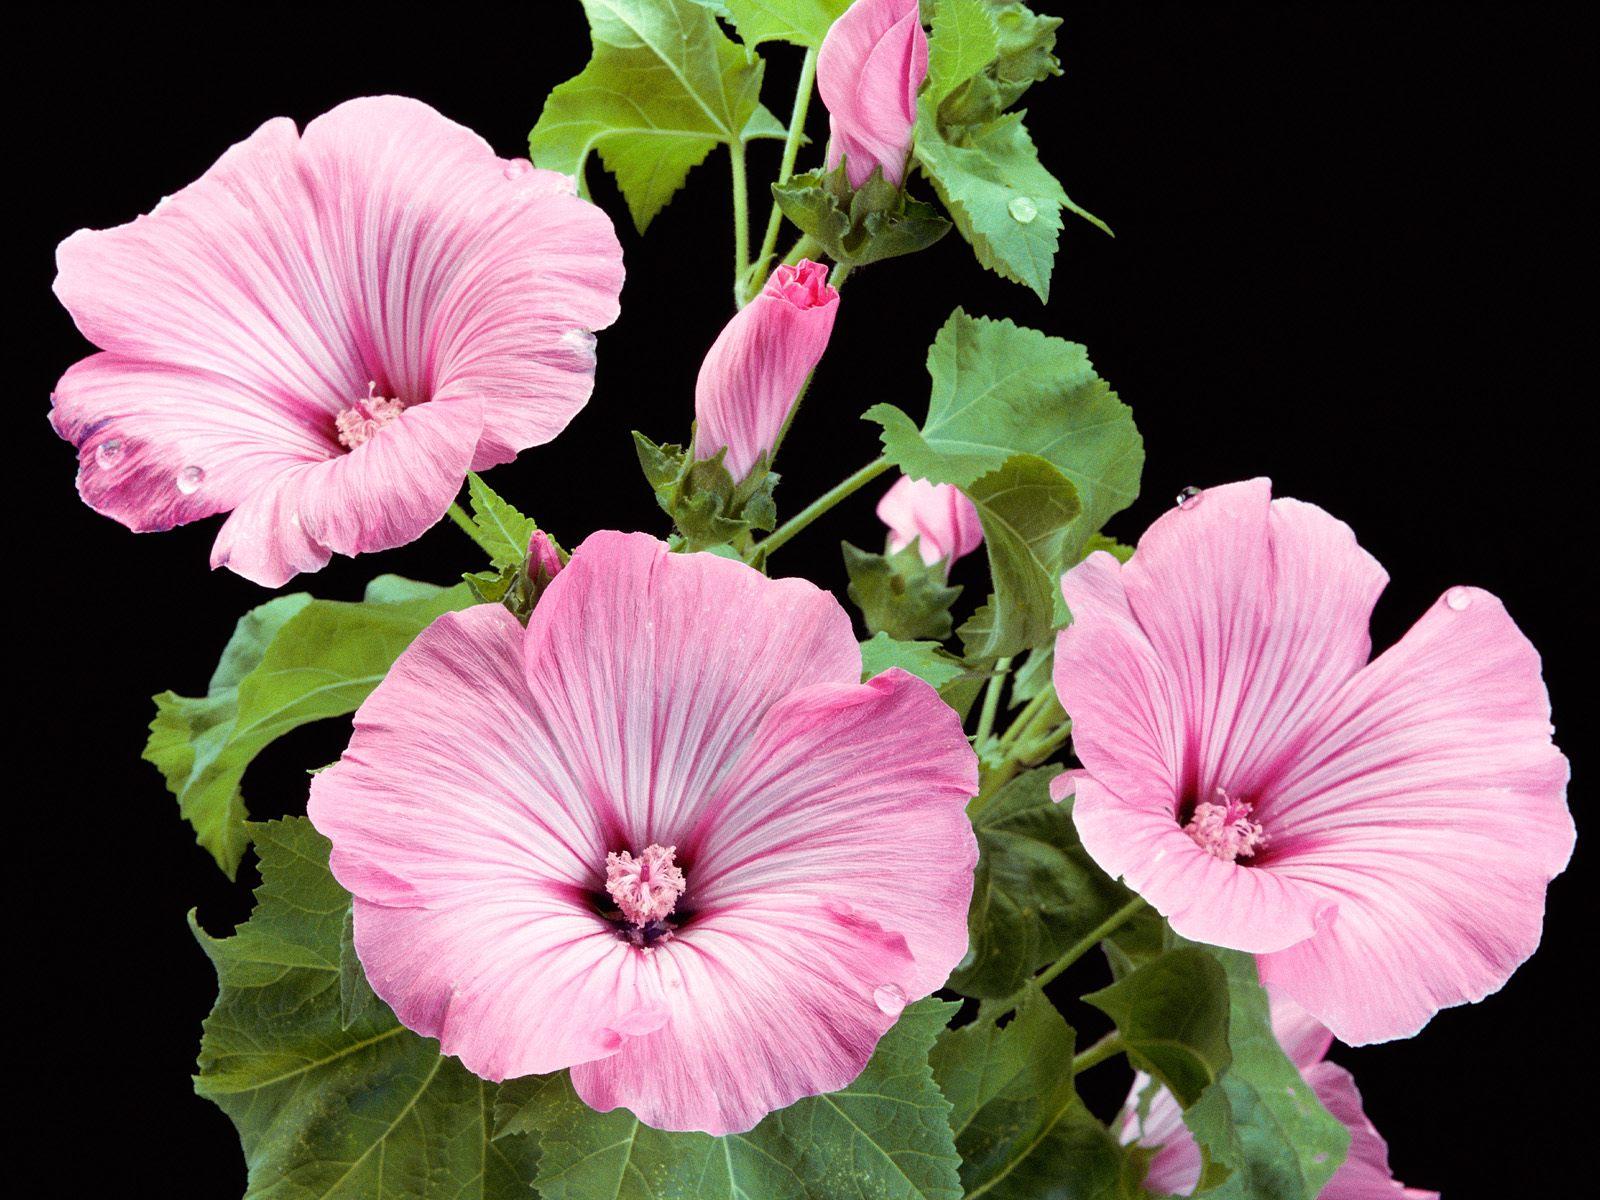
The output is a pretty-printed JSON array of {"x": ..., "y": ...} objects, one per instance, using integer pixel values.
[
  {"x": 365, "y": 417},
  {"x": 1223, "y": 828},
  {"x": 645, "y": 890}
]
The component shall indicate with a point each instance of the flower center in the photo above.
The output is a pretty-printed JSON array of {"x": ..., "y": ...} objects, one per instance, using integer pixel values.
[
  {"x": 1223, "y": 828},
  {"x": 364, "y": 418},
  {"x": 645, "y": 890}
]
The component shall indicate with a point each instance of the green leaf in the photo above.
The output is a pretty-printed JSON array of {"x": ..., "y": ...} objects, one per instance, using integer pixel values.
[
  {"x": 291, "y": 661},
  {"x": 1020, "y": 1127},
  {"x": 928, "y": 661},
  {"x": 1034, "y": 676},
  {"x": 501, "y": 530},
  {"x": 899, "y": 594},
  {"x": 1001, "y": 198},
  {"x": 1036, "y": 891},
  {"x": 887, "y": 1135},
  {"x": 1261, "y": 1124},
  {"x": 859, "y": 225},
  {"x": 1020, "y": 422},
  {"x": 964, "y": 41},
  {"x": 1024, "y": 55},
  {"x": 1172, "y": 1017},
  {"x": 365, "y": 1111},
  {"x": 1000, "y": 390},
  {"x": 1029, "y": 512},
  {"x": 802, "y": 22},
  {"x": 663, "y": 87}
]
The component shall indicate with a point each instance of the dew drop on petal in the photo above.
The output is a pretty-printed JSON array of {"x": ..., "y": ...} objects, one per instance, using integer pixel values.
[
  {"x": 1188, "y": 498},
  {"x": 107, "y": 453},
  {"x": 890, "y": 998},
  {"x": 190, "y": 479},
  {"x": 517, "y": 168},
  {"x": 1459, "y": 599},
  {"x": 1022, "y": 209}
]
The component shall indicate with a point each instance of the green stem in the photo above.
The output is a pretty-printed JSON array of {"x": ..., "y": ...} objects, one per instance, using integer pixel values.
[
  {"x": 1037, "y": 752},
  {"x": 1090, "y": 940},
  {"x": 991, "y": 702},
  {"x": 457, "y": 514},
  {"x": 823, "y": 503},
  {"x": 1107, "y": 1047},
  {"x": 791, "y": 148},
  {"x": 741, "y": 219},
  {"x": 841, "y": 272},
  {"x": 1025, "y": 718}
]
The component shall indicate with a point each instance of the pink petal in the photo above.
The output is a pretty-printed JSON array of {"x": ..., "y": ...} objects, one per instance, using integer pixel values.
[
  {"x": 472, "y": 856},
  {"x": 937, "y": 516},
  {"x": 634, "y": 647},
  {"x": 1129, "y": 729},
  {"x": 1364, "y": 1174},
  {"x": 770, "y": 1001},
  {"x": 1304, "y": 1039},
  {"x": 754, "y": 371},
  {"x": 1176, "y": 1165},
  {"x": 387, "y": 249},
  {"x": 854, "y": 794},
  {"x": 869, "y": 69},
  {"x": 1428, "y": 803}
]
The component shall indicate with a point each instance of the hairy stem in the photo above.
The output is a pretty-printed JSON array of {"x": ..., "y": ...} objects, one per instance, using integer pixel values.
[
  {"x": 791, "y": 148},
  {"x": 1107, "y": 1047},
  {"x": 457, "y": 514},
  {"x": 741, "y": 219},
  {"x": 991, "y": 702},
  {"x": 840, "y": 491}
]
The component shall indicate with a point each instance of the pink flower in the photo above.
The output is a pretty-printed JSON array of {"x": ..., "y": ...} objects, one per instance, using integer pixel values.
[
  {"x": 1379, "y": 834},
  {"x": 1364, "y": 1174},
  {"x": 755, "y": 369},
  {"x": 326, "y": 331},
  {"x": 937, "y": 516},
  {"x": 869, "y": 70},
  {"x": 544, "y": 560},
  {"x": 663, "y": 836}
]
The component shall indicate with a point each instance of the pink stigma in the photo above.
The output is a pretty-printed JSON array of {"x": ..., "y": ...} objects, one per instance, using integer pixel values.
[
  {"x": 1224, "y": 828},
  {"x": 645, "y": 888},
  {"x": 364, "y": 418}
]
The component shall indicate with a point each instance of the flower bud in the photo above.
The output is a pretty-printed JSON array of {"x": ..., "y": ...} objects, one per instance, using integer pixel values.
[
  {"x": 872, "y": 62},
  {"x": 544, "y": 560},
  {"x": 758, "y": 364},
  {"x": 938, "y": 516}
]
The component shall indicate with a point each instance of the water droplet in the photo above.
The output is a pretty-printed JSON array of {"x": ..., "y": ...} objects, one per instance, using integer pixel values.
[
  {"x": 1459, "y": 599},
  {"x": 190, "y": 479},
  {"x": 517, "y": 168},
  {"x": 580, "y": 342},
  {"x": 1022, "y": 209},
  {"x": 890, "y": 998},
  {"x": 1189, "y": 497},
  {"x": 108, "y": 452}
]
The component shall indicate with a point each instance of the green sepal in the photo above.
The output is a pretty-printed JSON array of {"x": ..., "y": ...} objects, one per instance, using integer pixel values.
[
  {"x": 899, "y": 594},
  {"x": 708, "y": 509},
  {"x": 862, "y": 225}
]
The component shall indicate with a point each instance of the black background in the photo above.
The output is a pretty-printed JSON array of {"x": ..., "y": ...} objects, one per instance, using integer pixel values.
[{"x": 1350, "y": 245}]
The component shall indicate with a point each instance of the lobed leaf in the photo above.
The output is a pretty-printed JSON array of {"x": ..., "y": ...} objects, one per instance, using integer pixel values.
[
  {"x": 885, "y": 1136},
  {"x": 663, "y": 87},
  {"x": 331, "y": 1096},
  {"x": 290, "y": 661},
  {"x": 1036, "y": 891}
]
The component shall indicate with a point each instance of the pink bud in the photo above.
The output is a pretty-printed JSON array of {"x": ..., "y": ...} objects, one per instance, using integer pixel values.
[
  {"x": 938, "y": 515},
  {"x": 544, "y": 560},
  {"x": 758, "y": 364},
  {"x": 872, "y": 62}
]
